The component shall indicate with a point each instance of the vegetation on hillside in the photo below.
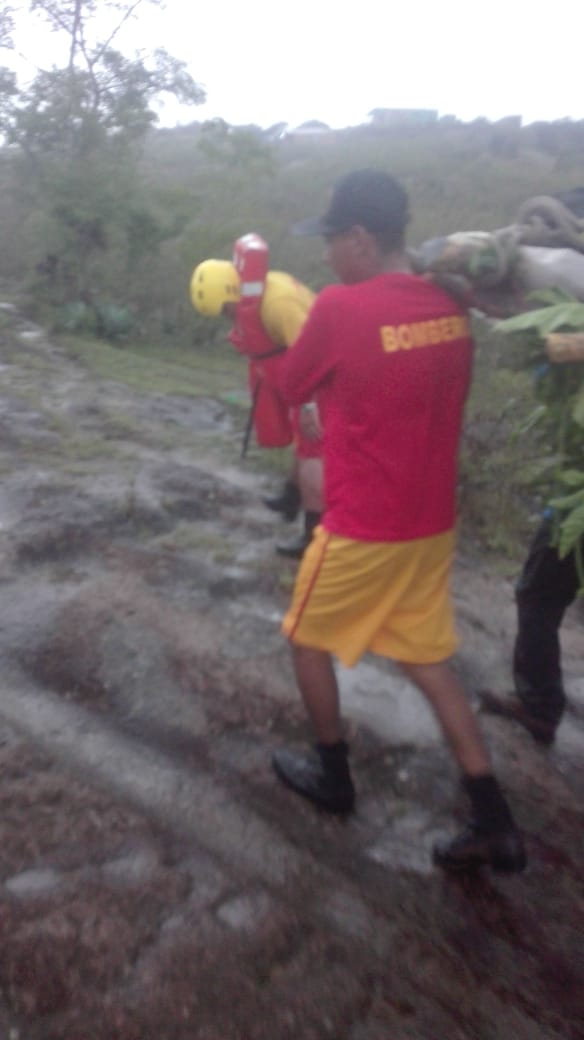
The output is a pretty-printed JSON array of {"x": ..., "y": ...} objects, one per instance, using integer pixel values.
[{"x": 558, "y": 418}]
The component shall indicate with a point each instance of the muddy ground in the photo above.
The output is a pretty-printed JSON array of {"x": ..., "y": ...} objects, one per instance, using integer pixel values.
[{"x": 155, "y": 881}]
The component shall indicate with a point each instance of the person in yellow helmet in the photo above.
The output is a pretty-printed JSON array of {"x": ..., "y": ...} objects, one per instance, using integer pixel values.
[
  {"x": 214, "y": 283},
  {"x": 268, "y": 312}
]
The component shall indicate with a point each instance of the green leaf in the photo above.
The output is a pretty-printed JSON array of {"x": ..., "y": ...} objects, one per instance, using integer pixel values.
[
  {"x": 549, "y": 297},
  {"x": 568, "y": 501},
  {"x": 572, "y": 477},
  {"x": 528, "y": 322},
  {"x": 546, "y": 319},
  {"x": 531, "y": 420},
  {"x": 571, "y": 531}
]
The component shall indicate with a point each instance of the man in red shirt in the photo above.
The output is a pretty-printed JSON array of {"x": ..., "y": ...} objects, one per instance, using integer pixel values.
[{"x": 387, "y": 355}]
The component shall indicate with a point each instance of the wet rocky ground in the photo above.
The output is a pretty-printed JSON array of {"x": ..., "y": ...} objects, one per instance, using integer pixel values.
[{"x": 155, "y": 881}]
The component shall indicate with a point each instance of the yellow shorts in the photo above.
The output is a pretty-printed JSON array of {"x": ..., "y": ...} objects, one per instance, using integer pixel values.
[{"x": 390, "y": 598}]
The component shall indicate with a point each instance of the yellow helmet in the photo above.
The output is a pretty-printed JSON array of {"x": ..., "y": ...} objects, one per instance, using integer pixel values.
[{"x": 213, "y": 283}]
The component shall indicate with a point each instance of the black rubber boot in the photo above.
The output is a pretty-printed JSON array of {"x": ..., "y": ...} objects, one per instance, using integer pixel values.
[
  {"x": 503, "y": 851},
  {"x": 287, "y": 502},
  {"x": 295, "y": 550},
  {"x": 491, "y": 838},
  {"x": 323, "y": 777}
]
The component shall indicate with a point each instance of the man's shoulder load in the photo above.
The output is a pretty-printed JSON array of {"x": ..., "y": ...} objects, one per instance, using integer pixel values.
[{"x": 543, "y": 249}]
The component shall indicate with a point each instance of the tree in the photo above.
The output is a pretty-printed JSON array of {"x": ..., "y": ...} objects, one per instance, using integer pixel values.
[
  {"x": 6, "y": 27},
  {"x": 100, "y": 95},
  {"x": 79, "y": 128},
  {"x": 242, "y": 150},
  {"x": 7, "y": 78}
]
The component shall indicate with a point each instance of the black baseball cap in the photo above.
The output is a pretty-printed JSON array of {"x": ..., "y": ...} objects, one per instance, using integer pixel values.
[{"x": 372, "y": 198}]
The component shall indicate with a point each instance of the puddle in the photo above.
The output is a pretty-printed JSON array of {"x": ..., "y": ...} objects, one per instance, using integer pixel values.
[
  {"x": 388, "y": 704},
  {"x": 407, "y": 843}
]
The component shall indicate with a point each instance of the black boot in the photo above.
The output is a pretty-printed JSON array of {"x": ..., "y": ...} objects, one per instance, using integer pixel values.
[
  {"x": 503, "y": 851},
  {"x": 323, "y": 777},
  {"x": 287, "y": 503},
  {"x": 542, "y": 730},
  {"x": 491, "y": 838},
  {"x": 294, "y": 550}
]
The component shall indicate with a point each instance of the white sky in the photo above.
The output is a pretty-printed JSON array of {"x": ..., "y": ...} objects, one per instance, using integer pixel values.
[{"x": 263, "y": 62}]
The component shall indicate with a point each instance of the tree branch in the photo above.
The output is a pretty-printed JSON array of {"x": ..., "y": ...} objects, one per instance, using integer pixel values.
[
  {"x": 74, "y": 32},
  {"x": 128, "y": 14}
]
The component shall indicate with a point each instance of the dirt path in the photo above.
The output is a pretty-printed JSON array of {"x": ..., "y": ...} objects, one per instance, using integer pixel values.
[{"x": 155, "y": 881}]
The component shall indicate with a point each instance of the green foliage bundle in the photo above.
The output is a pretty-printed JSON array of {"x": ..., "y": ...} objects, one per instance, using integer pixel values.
[{"x": 559, "y": 414}]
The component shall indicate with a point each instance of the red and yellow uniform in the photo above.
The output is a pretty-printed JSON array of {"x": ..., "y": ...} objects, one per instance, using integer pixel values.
[
  {"x": 389, "y": 361},
  {"x": 263, "y": 334}
]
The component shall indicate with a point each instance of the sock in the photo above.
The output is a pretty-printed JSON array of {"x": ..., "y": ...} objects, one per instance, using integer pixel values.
[{"x": 489, "y": 805}]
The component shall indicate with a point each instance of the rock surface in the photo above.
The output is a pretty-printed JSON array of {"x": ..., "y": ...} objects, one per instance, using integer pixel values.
[{"x": 156, "y": 882}]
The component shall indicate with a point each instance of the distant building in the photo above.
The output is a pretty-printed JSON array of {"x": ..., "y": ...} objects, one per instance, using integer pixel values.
[
  {"x": 403, "y": 116},
  {"x": 311, "y": 128},
  {"x": 277, "y": 131}
]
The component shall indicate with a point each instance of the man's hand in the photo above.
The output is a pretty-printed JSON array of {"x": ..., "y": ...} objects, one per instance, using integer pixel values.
[{"x": 309, "y": 421}]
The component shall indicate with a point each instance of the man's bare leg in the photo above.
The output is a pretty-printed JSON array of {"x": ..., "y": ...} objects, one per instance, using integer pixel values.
[
  {"x": 445, "y": 693},
  {"x": 324, "y": 778},
  {"x": 317, "y": 683},
  {"x": 492, "y": 838}
]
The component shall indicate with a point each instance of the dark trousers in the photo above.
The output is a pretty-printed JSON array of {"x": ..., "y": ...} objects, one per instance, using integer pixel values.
[{"x": 546, "y": 588}]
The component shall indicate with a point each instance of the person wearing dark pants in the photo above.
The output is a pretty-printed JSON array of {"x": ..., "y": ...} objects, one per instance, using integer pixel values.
[{"x": 547, "y": 586}]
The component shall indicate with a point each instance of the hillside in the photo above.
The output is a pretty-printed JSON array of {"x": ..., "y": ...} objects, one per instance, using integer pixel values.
[{"x": 133, "y": 233}]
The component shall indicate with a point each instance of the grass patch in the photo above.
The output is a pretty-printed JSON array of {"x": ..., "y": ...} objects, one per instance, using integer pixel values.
[
  {"x": 269, "y": 461},
  {"x": 58, "y": 423},
  {"x": 189, "y": 537},
  {"x": 119, "y": 426},
  {"x": 28, "y": 357},
  {"x": 170, "y": 370},
  {"x": 77, "y": 449}
]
